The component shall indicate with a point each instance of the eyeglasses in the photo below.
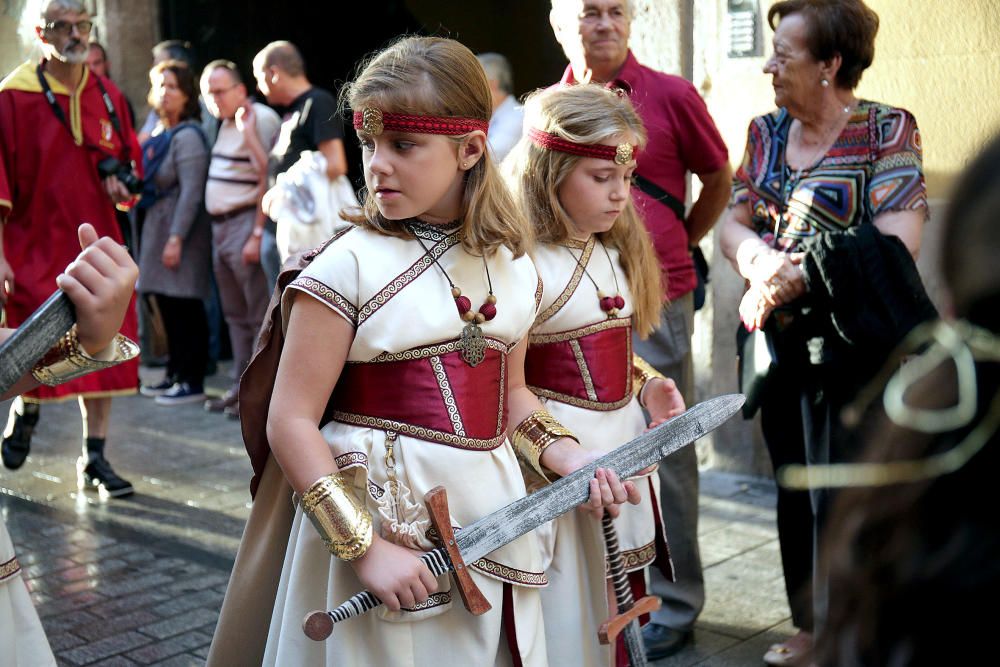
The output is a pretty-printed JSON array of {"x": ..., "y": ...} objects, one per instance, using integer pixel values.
[
  {"x": 222, "y": 91},
  {"x": 65, "y": 28}
]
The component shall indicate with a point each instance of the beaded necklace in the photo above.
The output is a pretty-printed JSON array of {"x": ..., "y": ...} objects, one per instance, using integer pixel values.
[
  {"x": 473, "y": 344},
  {"x": 609, "y": 304}
]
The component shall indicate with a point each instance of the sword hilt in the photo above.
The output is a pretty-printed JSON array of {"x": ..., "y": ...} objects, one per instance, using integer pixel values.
[{"x": 318, "y": 625}]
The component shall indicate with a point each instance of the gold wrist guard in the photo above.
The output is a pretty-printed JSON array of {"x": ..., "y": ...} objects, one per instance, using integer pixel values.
[
  {"x": 642, "y": 372},
  {"x": 534, "y": 435},
  {"x": 67, "y": 360},
  {"x": 339, "y": 516}
]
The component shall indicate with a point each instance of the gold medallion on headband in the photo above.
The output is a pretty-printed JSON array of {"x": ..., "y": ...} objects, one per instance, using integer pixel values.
[
  {"x": 623, "y": 154},
  {"x": 371, "y": 121}
]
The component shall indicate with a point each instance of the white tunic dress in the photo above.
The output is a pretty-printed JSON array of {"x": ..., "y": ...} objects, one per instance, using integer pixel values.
[
  {"x": 603, "y": 415},
  {"x": 402, "y": 308},
  {"x": 22, "y": 638}
]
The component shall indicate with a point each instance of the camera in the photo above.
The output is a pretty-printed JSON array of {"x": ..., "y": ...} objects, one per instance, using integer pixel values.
[{"x": 111, "y": 166}]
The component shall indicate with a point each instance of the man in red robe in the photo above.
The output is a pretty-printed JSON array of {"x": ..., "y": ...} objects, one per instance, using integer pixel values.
[{"x": 55, "y": 127}]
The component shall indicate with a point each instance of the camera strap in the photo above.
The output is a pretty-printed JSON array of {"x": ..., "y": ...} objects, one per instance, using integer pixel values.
[{"x": 50, "y": 97}]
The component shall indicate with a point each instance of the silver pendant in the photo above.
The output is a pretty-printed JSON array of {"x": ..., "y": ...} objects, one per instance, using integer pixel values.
[{"x": 472, "y": 345}]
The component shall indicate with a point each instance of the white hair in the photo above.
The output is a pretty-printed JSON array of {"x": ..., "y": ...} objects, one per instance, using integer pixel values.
[
  {"x": 498, "y": 69},
  {"x": 561, "y": 6}
]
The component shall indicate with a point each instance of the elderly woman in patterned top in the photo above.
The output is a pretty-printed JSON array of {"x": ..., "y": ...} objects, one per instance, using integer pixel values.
[{"x": 824, "y": 222}]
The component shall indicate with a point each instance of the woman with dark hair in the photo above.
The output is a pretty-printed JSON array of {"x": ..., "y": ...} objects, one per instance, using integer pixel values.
[
  {"x": 176, "y": 243},
  {"x": 913, "y": 552},
  {"x": 825, "y": 219}
]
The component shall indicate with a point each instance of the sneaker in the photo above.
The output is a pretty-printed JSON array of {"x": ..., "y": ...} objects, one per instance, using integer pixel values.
[
  {"x": 159, "y": 389},
  {"x": 17, "y": 436},
  {"x": 220, "y": 404},
  {"x": 181, "y": 393},
  {"x": 95, "y": 473}
]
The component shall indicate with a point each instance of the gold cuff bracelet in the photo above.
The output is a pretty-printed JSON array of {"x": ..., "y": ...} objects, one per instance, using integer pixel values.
[
  {"x": 532, "y": 436},
  {"x": 642, "y": 372},
  {"x": 67, "y": 360},
  {"x": 339, "y": 516}
]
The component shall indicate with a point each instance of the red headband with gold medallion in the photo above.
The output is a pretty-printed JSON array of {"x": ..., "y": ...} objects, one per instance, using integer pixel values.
[
  {"x": 374, "y": 121},
  {"x": 621, "y": 154}
]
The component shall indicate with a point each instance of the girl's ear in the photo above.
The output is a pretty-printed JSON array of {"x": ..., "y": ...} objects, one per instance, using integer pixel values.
[{"x": 471, "y": 150}]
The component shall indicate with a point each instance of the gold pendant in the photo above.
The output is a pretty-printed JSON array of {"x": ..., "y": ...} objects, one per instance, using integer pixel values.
[{"x": 472, "y": 345}]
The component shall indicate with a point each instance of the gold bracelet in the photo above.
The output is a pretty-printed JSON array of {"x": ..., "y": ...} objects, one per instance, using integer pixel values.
[
  {"x": 339, "y": 516},
  {"x": 533, "y": 436},
  {"x": 67, "y": 360},
  {"x": 642, "y": 372}
]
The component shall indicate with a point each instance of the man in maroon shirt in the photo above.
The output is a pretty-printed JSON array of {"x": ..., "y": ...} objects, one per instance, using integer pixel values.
[{"x": 682, "y": 138}]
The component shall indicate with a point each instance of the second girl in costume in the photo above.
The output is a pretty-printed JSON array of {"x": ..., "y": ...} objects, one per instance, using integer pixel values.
[{"x": 571, "y": 176}]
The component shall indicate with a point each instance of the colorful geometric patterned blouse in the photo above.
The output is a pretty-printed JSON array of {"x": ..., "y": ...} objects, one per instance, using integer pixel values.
[{"x": 874, "y": 166}]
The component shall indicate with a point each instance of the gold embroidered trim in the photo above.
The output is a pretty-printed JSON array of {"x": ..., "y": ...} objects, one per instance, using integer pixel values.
[
  {"x": 351, "y": 459},
  {"x": 512, "y": 575},
  {"x": 539, "y": 291},
  {"x": 580, "y": 402},
  {"x": 435, "y": 350},
  {"x": 327, "y": 295},
  {"x": 636, "y": 559},
  {"x": 503, "y": 397},
  {"x": 435, "y": 600},
  {"x": 575, "y": 244},
  {"x": 571, "y": 286},
  {"x": 581, "y": 362},
  {"x": 423, "y": 433},
  {"x": 9, "y": 569},
  {"x": 447, "y": 395},
  {"x": 402, "y": 280},
  {"x": 572, "y": 334}
]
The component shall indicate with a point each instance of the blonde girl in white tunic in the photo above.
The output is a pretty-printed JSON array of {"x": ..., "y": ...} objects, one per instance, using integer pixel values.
[
  {"x": 402, "y": 369},
  {"x": 571, "y": 176}
]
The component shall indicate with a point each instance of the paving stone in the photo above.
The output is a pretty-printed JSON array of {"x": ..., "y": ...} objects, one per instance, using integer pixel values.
[
  {"x": 128, "y": 603},
  {"x": 136, "y": 584},
  {"x": 69, "y": 621},
  {"x": 69, "y": 603},
  {"x": 165, "y": 649},
  {"x": 204, "y": 599},
  {"x": 105, "y": 648},
  {"x": 182, "y": 661},
  {"x": 116, "y": 661},
  {"x": 63, "y": 640},
  {"x": 132, "y": 620},
  {"x": 180, "y": 623},
  {"x": 704, "y": 645}
]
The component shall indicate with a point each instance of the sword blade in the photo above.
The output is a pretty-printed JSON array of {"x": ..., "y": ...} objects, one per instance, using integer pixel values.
[
  {"x": 510, "y": 522},
  {"x": 33, "y": 339},
  {"x": 507, "y": 524}
]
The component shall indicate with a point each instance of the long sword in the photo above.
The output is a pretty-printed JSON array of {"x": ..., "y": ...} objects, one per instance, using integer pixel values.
[
  {"x": 33, "y": 339},
  {"x": 525, "y": 514}
]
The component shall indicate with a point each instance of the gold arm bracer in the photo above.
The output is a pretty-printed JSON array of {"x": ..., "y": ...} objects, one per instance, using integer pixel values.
[
  {"x": 339, "y": 516},
  {"x": 533, "y": 435},
  {"x": 67, "y": 359},
  {"x": 642, "y": 372}
]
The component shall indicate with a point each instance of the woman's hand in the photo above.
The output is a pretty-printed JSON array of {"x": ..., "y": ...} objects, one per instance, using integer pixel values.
[
  {"x": 754, "y": 309},
  {"x": 663, "y": 400},
  {"x": 171, "y": 257},
  {"x": 778, "y": 276},
  {"x": 395, "y": 574},
  {"x": 99, "y": 282}
]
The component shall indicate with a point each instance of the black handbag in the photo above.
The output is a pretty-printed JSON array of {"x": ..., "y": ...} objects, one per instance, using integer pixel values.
[{"x": 757, "y": 362}]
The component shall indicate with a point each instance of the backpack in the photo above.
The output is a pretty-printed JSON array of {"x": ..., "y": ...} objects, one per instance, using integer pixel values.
[{"x": 154, "y": 152}]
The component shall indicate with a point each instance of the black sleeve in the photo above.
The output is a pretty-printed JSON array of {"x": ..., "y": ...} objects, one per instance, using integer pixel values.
[{"x": 322, "y": 123}]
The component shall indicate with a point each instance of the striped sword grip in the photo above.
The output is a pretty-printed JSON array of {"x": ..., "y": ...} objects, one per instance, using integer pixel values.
[{"x": 318, "y": 625}]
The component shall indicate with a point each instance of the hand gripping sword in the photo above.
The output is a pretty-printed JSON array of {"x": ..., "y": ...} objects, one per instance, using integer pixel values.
[
  {"x": 525, "y": 514},
  {"x": 33, "y": 339}
]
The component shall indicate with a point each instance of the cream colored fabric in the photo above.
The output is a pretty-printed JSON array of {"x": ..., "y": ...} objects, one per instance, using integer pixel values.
[
  {"x": 478, "y": 482},
  {"x": 573, "y": 544},
  {"x": 22, "y": 638}
]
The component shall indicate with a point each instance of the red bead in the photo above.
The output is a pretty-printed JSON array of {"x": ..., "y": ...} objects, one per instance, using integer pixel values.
[
  {"x": 607, "y": 303},
  {"x": 488, "y": 310},
  {"x": 463, "y": 303},
  {"x": 619, "y": 302}
]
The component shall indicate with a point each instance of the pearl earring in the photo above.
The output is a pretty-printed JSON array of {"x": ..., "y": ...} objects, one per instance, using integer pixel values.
[{"x": 824, "y": 83}]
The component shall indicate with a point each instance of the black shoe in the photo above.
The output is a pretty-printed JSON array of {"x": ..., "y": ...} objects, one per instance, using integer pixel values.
[
  {"x": 94, "y": 472},
  {"x": 158, "y": 389},
  {"x": 662, "y": 641},
  {"x": 17, "y": 435}
]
